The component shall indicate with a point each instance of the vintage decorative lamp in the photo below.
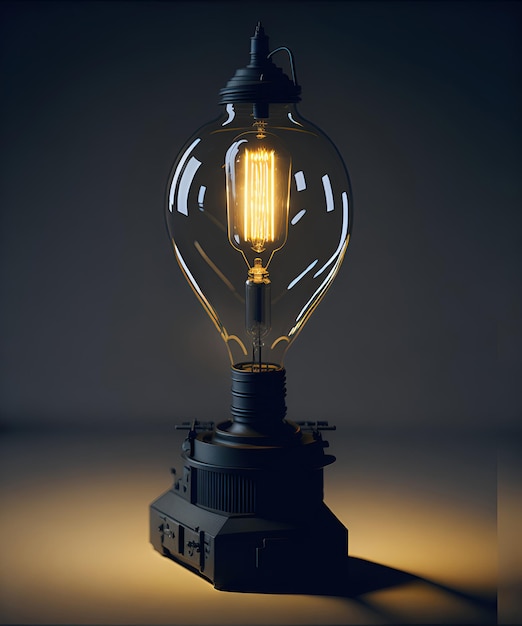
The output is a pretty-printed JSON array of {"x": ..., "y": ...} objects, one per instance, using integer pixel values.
[{"x": 259, "y": 214}]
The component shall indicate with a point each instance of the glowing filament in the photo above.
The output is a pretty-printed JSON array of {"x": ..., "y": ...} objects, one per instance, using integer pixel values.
[
  {"x": 259, "y": 206},
  {"x": 258, "y": 194}
]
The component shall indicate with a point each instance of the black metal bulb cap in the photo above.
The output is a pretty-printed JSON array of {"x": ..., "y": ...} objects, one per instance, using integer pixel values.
[
  {"x": 258, "y": 407},
  {"x": 258, "y": 435},
  {"x": 261, "y": 82},
  {"x": 258, "y": 393}
]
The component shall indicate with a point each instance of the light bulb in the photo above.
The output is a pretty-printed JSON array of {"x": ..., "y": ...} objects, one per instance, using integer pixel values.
[{"x": 259, "y": 198}]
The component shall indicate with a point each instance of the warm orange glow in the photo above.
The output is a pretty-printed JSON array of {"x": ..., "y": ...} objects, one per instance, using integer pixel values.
[
  {"x": 258, "y": 175},
  {"x": 259, "y": 205},
  {"x": 75, "y": 545}
]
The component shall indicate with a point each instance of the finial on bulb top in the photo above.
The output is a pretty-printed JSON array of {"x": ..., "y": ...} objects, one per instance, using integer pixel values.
[
  {"x": 261, "y": 82},
  {"x": 258, "y": 48}
]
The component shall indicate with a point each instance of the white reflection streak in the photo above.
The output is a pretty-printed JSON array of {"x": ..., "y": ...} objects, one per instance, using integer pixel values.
[
  {"x": 300, "y": 182},
  {"x": 325, "y": 282},
  {"x": 231, "y": 114},
  {"x": 213, "y": 266},
  {"x": 293, "y": 121},
  {"x": 184, "y": 184},
  {"x": 230, "y": 157},
  {"x": 330, "y": 206},
  {"x": 201, "y": 196},
  {"x": 178, "y": 171},
  {"x": 336, "y": 257},
  {"x": 196, "y": 287},
  {"x": 297, "y": 217},
  {"x": 303, "y": 273},
  {"x": 344, "y": 233}
]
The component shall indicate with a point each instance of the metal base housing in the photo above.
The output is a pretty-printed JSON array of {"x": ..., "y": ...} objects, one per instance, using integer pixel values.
[
  {"x": 247, "y": 512},
  {"x": 247, "y": 553}
]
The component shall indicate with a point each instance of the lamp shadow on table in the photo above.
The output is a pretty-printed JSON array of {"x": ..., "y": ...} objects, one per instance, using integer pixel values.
[{"x": 354, "y": 578}]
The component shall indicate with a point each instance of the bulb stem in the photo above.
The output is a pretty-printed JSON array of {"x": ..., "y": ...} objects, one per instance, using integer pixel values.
[{"x": 258, "y": 309}]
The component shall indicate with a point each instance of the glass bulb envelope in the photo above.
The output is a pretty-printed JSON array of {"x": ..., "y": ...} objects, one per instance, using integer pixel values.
[{"x": 259, "y": 215}]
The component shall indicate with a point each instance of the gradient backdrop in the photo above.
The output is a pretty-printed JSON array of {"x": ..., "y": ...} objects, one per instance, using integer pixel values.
[
  {"x": 423, "y": 326},
  {"x": 420, "y": 334}
]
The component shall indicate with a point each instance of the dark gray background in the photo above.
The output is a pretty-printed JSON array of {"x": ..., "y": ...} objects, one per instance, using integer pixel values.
[{"x": 422, "y": 328}]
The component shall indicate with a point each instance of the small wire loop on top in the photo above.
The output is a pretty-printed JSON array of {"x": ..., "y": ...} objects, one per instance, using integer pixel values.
[{"x": 291, "y": 59}]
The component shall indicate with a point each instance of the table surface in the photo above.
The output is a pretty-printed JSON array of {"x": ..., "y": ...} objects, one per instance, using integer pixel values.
[{"x": 74, "y": 534}]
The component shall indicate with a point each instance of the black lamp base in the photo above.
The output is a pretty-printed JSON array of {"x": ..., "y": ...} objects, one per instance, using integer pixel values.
[
  {"x": 247, "y": 512},
  {"x": 249, "y": 554}
]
